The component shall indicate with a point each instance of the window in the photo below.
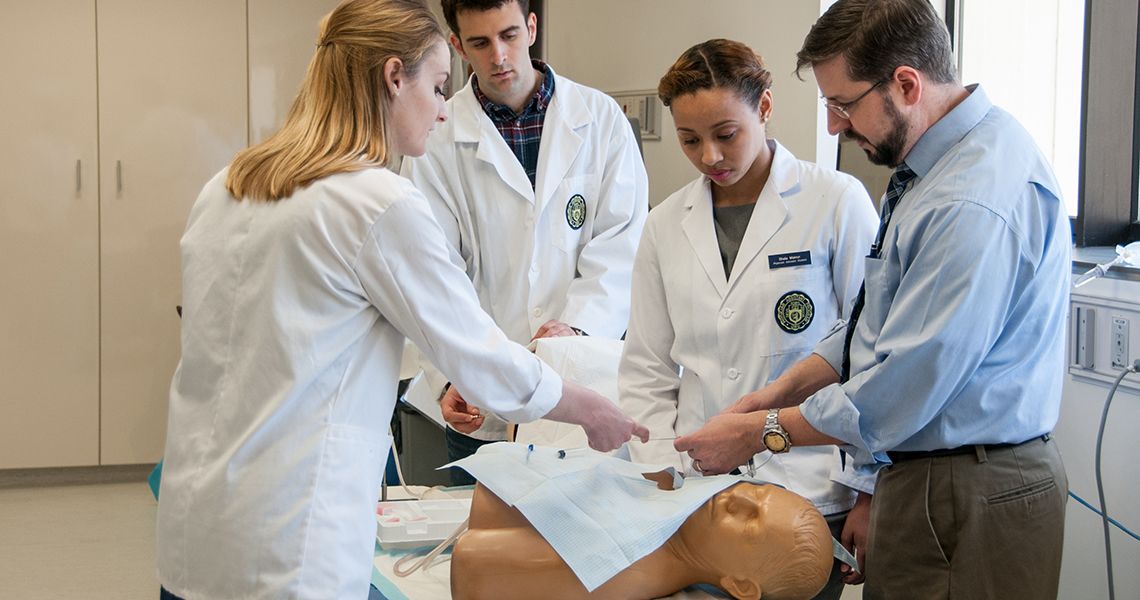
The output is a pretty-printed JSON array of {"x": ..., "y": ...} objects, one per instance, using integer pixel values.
[
  {"x": 1028, "y": 54},
  {"x": 1070, "y": 72}
]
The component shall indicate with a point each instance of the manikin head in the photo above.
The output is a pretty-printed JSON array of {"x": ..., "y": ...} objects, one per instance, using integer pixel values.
[{"x": 759, "y": 541}]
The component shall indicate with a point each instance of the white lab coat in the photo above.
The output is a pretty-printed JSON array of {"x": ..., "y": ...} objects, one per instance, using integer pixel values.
[
  {"x": 294, "y": 320},
  {"x": 528, "y": 263},
  {"x": 698, "y": 340}
]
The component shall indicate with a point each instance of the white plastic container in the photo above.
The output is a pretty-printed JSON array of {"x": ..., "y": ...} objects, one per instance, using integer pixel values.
[{"x": 417, "y": 523}]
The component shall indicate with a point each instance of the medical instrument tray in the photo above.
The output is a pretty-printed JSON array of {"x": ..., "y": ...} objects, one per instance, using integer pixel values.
[{"x": 403, "y": 524}]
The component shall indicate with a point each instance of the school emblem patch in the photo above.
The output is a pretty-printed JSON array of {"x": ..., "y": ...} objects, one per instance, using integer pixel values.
[
  {"x": 576, "y": 211},
  {"x": 794, "y": 312}
]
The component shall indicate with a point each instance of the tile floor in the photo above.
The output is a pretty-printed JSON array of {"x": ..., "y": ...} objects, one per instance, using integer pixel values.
[
  {"x": 88, "y": 534},
  {"x": 77, "y": 540}
]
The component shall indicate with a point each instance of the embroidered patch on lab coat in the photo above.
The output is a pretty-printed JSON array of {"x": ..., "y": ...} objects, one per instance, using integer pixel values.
[
  {"x": 576, "y": 211},
  {"x": 794, "y": 312}
]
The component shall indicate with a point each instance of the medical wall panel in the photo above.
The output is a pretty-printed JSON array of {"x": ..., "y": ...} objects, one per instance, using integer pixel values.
[
  {"x": 172, "y": 113},
  {"x": 1105, "y": 304},
  {"x": 49, "y": 236}
]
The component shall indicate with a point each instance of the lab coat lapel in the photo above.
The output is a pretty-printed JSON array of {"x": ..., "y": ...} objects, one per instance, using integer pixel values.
[
  {"x": 561, "y": 142},
  {"x": 472, "y": 125},
  {"x": 770, "y": 213},
  {"x": 701, "y": 234}
]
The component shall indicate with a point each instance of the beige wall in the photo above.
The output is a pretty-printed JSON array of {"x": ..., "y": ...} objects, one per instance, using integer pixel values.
[{"x": 629, "y": 44}]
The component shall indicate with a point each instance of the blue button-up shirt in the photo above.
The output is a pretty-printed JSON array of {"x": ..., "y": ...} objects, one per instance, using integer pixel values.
[{"x": 962, "y": 338}]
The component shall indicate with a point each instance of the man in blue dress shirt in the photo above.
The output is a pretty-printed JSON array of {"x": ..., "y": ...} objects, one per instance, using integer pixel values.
[{"x": 947, "y": 380}]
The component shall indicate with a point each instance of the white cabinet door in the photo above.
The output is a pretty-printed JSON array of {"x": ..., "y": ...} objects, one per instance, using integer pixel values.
[
  {"x": 172, "y": 113},
  {"x": 49, "y": 236},
  {"x": 282, "y": 39}
]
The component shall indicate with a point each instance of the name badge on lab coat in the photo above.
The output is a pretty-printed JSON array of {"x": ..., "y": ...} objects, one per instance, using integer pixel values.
[{"x": 791, "y": 259}]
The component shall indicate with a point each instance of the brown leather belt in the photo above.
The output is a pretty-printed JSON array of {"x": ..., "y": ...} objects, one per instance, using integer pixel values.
[{"x": 904, "y": 455}]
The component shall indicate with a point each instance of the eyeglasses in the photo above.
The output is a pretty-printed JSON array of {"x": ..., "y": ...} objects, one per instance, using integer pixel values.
[{"x": 844, "y": 110}]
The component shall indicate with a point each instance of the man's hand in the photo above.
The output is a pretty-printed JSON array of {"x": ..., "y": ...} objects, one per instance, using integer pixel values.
[
  {"x": 460, "y": 415},
  {"x": 762, "y": 399},
  {"x": 801, "y": 380},
  {"x": 854, "y": 538},
  {"x": 724, "y": 443},
  {"x": 553, "y": 328}
]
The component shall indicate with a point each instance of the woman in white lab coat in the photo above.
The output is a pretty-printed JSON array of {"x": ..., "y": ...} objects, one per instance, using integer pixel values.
[
  {"x": 740, "y": 273},
  {"x": 305, "y": 264}
]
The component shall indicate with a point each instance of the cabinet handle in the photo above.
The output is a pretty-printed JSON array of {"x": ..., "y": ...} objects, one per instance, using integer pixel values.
[
  {"x": 78, "y": 176},
  {"x": 119, "y": 176}
]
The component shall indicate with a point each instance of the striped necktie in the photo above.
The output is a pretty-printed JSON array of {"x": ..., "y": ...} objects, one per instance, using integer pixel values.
[{"x": 895, "y": 189}]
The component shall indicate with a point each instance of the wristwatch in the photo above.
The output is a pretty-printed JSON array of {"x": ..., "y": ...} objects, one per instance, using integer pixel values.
[{"x": 775, "y": 438}]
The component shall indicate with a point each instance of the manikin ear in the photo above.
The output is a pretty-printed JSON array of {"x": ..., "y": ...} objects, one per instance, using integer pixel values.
[
  {"x": 531, "y": 28},
  {"x": 742, "y": 589},
  {"x": 458, "y": 45},
  {"x": 394, "y": 76},
  {"x": 909, "y": 81}
]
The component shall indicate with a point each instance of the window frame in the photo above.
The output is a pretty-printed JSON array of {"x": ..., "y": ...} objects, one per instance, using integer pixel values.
[{"x": 1110, "y": 125}]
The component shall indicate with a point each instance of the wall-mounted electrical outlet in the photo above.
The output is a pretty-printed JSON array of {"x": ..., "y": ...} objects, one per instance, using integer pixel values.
[{"x": 1100, "y": 346}]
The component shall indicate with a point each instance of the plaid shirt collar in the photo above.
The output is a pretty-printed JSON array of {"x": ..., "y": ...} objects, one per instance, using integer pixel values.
[{"x": 501, "y": 113}]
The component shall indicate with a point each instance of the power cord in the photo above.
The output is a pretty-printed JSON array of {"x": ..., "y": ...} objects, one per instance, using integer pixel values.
[
  {"x": 436, "y": 490},
  {"x": 1099, "y": 480}
]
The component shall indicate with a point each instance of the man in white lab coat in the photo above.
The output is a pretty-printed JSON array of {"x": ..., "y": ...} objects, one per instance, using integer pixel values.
[{"x": 538, "y": 183}]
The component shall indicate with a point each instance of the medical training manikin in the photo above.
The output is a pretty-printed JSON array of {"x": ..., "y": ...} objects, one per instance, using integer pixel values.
[{"x": 571, "y": 524}]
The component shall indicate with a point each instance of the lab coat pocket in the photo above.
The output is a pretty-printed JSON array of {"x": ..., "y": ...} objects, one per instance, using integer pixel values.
[
  {"x": 796, "y": 311},
  {"x": 571, "y": 212},
  {"x": 342, "y": 527}
]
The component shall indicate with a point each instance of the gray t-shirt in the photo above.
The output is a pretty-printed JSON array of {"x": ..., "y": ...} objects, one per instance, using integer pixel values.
[{"x": 731, "y": 222}]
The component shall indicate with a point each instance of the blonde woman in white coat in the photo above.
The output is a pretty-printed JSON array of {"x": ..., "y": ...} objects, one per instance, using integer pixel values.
[
  {"x": 305, "y": 265},
  {"x": 738, "y": 276}
]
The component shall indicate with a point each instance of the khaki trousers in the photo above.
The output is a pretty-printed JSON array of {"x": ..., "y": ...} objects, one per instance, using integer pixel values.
[{"x": 988, "y": 524}]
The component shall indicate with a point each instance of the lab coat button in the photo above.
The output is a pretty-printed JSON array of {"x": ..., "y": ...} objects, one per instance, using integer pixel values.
[
  {"x": 733, "y": 374},
  {"x": 727, "y": 313},
  {"x": 538, "y": 312}
]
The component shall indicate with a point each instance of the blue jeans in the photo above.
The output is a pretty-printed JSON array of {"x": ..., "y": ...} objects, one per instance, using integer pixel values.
[{"x": 461, "y": 446}]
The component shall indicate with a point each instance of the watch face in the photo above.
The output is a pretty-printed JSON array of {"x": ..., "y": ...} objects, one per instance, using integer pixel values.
[{"x": 775, "y": 442}]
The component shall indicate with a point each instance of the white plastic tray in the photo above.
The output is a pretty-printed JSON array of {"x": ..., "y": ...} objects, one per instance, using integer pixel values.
[{"x": 416, "y": 523}]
